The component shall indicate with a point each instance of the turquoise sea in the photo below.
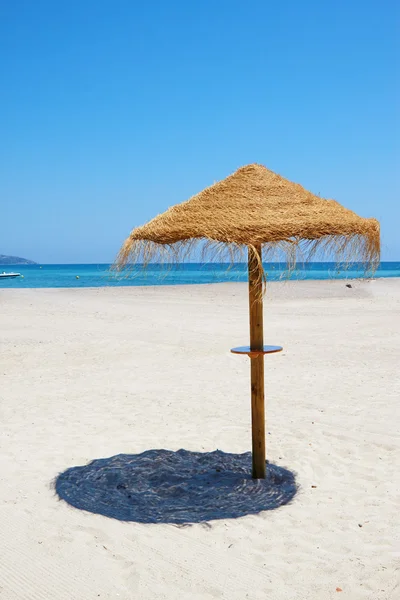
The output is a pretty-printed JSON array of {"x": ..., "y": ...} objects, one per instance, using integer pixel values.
[{"x": 67, "y": 276}]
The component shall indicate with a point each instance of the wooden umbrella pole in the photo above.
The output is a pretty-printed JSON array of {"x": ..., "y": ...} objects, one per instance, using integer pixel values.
[{"x": 257, "y": 363}]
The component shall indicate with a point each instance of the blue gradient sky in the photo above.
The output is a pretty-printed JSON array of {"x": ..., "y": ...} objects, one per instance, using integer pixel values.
[{"x": 111, "y": 111}]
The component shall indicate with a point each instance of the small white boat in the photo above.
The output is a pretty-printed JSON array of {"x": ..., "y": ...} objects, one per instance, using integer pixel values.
[{"x": 4, "y": 274}]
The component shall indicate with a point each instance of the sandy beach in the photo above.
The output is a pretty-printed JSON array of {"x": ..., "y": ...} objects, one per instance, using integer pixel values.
[{"x": 92, "y": 373}]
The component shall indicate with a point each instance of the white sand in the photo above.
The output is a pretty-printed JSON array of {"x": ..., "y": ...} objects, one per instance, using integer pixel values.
[{"x": 96, "y": 372}]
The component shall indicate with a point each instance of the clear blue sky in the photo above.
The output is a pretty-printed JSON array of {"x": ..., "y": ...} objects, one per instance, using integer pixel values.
[{"x": 113, "y": 110}]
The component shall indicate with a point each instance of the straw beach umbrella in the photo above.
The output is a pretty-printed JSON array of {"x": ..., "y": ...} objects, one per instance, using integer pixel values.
[{"x": 258, "y": 212}]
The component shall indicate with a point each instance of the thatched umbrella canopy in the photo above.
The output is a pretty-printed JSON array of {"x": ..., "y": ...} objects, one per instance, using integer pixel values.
[
  {"x": 256, "y": 206},
  {"x": 258, "y": 210}
]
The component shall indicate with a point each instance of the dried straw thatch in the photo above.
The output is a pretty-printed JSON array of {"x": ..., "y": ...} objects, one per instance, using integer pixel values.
[{"x": 253, "y": 206}]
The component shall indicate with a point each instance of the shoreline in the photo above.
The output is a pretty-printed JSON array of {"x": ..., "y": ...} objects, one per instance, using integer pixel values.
[{"x": 274, "y": 289}]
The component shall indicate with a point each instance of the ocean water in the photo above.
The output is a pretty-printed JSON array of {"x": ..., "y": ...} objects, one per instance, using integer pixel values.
[{"x": 67, "y": 276}]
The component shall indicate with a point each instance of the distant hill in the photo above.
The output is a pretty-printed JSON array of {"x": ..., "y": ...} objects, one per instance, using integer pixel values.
[{"x": 15, "y": 260}]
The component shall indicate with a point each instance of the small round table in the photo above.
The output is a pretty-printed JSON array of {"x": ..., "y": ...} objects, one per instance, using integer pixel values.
[{"x": 253, "y": 353}]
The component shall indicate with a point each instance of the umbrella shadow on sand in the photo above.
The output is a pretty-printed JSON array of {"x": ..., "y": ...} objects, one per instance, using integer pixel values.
[{"x": 183, "y": 487}]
